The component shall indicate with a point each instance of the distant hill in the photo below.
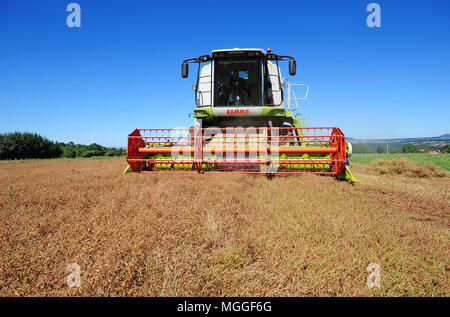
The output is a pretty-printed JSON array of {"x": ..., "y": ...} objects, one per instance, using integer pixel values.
[
  {"x": 444, "y": 137},
  {"x": 421, "y": 142}
]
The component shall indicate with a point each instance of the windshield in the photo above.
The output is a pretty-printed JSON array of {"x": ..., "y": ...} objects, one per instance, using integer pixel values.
[{"x": 237, "y": 82}]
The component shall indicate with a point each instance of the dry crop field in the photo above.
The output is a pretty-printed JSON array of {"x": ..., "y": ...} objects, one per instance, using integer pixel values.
[{"x": 178, "y": 234}]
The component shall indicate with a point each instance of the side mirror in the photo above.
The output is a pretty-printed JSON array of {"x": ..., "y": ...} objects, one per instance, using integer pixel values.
[
  {"x": 184, "y": 70},
  {"x": 292, "y": 67}
]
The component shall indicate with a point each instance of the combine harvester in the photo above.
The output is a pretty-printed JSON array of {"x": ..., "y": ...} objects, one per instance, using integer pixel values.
[{"x": 243, "y": 123}]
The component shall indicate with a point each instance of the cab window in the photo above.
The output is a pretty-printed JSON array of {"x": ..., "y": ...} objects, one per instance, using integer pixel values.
[{"x": 237, "y": 83}]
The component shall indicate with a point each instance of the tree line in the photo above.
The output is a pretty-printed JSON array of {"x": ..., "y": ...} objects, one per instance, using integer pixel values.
[
  {"x": 364, "y": 148},
  {"x": 24, "y": 145},
  {"x": 406, "y": 148}
]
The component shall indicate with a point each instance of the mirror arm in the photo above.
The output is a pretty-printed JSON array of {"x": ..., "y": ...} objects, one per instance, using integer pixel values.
[{"x": 285, "y": 58}]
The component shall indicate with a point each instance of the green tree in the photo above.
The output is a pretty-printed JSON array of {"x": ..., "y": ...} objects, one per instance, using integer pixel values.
[
  {"x": 409, "y": 148},
  {"x": 69, "y": 152},
  {"x": 360, "y": 148},
  {"x": 445, "y": 148},
  {"x": 26, "y": 145},
  {"x": 89, "y": 153},
  {"x": 114, "y": 152},
  {"x": 380, "y": 149},
  {"x": 99, "y": 150}
]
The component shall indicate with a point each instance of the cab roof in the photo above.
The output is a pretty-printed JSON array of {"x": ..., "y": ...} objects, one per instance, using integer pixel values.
[{"x": 236, "y": 49}]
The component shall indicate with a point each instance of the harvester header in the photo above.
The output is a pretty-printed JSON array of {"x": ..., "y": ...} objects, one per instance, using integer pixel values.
[{"x": 244, "y": 122}]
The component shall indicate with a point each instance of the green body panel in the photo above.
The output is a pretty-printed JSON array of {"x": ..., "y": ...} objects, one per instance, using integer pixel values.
[
  {"x": 297, "y": 158},
  {"x": 207, "y": 112},
  {"x": 347, "y": 175},
  {"x": 298, "y": 162}
]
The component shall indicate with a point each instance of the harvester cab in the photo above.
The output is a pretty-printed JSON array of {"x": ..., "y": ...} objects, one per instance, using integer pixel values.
[
  {"x": 243, "y": 87},
  {"x": 244, "y": 123}
]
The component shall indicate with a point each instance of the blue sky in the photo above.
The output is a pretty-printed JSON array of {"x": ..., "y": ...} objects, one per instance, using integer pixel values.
[{"x": 121, "y": 69}]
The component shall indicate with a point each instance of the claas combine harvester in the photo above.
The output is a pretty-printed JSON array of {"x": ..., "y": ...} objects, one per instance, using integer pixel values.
[{"x": 243, "y": 123}]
